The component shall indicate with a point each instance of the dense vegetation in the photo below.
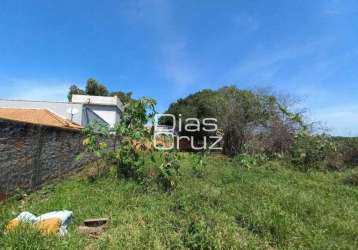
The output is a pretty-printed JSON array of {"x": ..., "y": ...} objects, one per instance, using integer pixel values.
[
  {"x": 262, "y": 124},
  {"x": 251, "y": 122},
  {"x": 229, "y": 205},
  {"x": 270, "y": 190}
]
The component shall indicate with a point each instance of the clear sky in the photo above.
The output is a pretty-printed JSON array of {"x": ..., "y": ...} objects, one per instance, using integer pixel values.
[{"x": 168, "y": 49}]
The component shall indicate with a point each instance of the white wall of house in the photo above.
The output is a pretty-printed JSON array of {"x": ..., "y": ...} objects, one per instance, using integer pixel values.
[
  {"x": 101, "y": 100},
  {"x": 108, "y": 108},
  {"x": 110, "y": 114}
]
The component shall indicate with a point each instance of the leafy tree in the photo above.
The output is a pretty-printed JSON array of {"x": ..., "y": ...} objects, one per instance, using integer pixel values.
[
  {"x": 124, "y": 97},
  {"x": 244, "y": 116},
  {"x": 199, "y": 105},
  {"x": 129, "y": 132},
  {"x": 123, "y": 144},
  {"x": 74, "y": 90},
  {"x": 93, "y": 87}
]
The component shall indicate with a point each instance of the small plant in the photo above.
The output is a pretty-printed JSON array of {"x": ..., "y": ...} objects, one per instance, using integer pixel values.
[
  {"x": 199, "y": 235},
  {"x": 168, "y": 171},
  {"x": 182, "y": 203},
  {"x": 95, "y": 135},
  {"x": 96, "y": 169},
  {"x": 19, "y": 194},
  {"x": 250, "y": 161},
  {"x": 198, "y": 164}
]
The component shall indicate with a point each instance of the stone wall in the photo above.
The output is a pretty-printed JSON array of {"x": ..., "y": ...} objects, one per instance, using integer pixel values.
[{"x": 31, "y": 155}]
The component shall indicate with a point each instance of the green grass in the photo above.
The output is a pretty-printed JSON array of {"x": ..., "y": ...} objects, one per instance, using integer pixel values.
[{"x": 230, "y": 207}]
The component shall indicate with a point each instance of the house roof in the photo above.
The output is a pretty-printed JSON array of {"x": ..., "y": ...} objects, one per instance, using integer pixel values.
[{"x": 38, "y": 117}]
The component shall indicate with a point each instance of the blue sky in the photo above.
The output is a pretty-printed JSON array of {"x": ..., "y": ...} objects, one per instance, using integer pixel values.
[{"x": 168, "y": 49}]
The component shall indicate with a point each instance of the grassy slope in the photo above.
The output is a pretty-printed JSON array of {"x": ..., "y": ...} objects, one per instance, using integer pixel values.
[{"x": 231, "y": 207}]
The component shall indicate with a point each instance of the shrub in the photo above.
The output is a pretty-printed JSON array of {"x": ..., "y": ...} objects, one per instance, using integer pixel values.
[
  {"x": 168, "y": 171},
  {"x": 128, "y": 148},
  {"x": 249, "y": 161},
  {"x": 119, "y": 145},
  {"x": 349, "y": 149},
  {"x": 198, "y": 164},
  {"x": 352, "y": 179},
  {"x": 314, "y": 151}
]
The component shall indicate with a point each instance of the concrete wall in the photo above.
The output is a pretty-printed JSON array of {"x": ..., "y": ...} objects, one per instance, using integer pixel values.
[
  {"x": 30, "y": 155},
  {"x": 59, "y": 108},
  {"x": 100, "y": 100},
  {"x": 110, "y": 114}
]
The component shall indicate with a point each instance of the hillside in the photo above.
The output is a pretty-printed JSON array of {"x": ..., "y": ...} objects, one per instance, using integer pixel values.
[{"x": 266, "y": 206}]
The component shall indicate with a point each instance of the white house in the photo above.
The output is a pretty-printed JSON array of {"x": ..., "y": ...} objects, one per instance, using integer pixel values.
[
  {"x": 82, "y": 109},
  {"x": 105, "y": 109}
]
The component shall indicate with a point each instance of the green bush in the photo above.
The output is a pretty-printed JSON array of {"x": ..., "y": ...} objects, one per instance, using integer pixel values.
[
  {"x": 119, "y": 145},
  {"x": 249, "y": 161},
  {"x": 314, "y": 152},
  {"x": 349, "y": 149},
  {"x": 198, "y": 164},
  {"x": 352, "y": 179},
  {"x": 168, "y": 171}
]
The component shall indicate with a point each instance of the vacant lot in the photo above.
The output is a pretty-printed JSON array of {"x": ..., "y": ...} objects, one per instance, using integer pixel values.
[{"x": 227, "y": 206}]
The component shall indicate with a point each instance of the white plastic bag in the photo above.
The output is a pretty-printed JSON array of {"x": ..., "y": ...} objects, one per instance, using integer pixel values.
[
  {"x": 26, "y": 217},
  {"x": 65, "y": 217}
]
